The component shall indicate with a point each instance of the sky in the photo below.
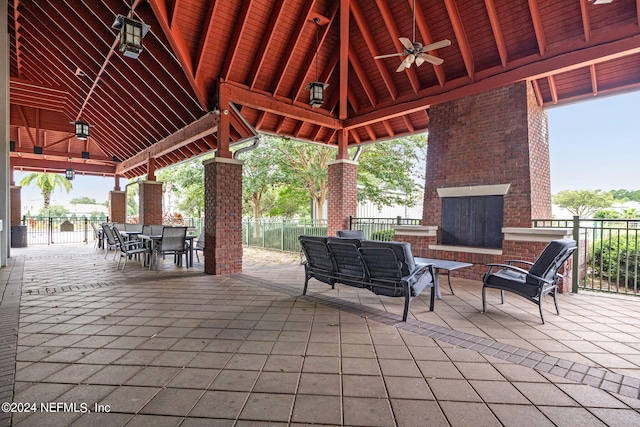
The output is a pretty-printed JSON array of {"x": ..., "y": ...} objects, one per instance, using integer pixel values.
[{"x": 594, "y": 144}]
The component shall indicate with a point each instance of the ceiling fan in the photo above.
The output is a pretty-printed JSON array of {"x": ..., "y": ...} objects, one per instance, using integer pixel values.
[{"x": 416, "y": 52}]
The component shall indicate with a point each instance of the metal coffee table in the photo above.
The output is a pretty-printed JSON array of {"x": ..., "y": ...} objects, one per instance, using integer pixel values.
[{"x": 442, "y": 264}]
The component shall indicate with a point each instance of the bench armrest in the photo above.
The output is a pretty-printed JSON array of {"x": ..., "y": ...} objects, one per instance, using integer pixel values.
[{"x": 519, "y": 270}]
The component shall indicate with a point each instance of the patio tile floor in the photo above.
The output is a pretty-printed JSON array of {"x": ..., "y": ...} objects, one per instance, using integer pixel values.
[{"x": 178, "y": 347}]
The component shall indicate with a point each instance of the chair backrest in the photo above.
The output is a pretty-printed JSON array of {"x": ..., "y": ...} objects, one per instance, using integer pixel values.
[
  {"x": 118, "y": 237},
  {"x": 316, "y": 252},
  {"x": 156, "y": 229},
  {"x": 109, "y": 234},
  {"x": 402, "y": 251},
  {"x": 351, "y": 234},
  {"x": 133, "y": 227},
  {"x": 552, "y": 258},
  {"x": 347, "y": 258},
  {"x": 200, "y": 242},
  {"x": 121, "y": 226},
  {"x": 96, "y": 235},
  {"x": 173, "y": 238}
]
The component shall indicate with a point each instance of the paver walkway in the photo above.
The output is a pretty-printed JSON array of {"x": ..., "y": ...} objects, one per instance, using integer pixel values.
[{"x": 98, "y": 347}]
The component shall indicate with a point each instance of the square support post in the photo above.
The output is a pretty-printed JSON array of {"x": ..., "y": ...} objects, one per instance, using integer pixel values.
[
  {"x": 343, "y": 192},
  {"x": 223, "y": 215},
  {"x": 118, "y": 206},
  {"x": 150, "y": 202}
]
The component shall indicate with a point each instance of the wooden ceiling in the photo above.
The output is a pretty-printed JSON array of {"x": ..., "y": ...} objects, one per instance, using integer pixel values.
[{"x": 65, "y": 65}]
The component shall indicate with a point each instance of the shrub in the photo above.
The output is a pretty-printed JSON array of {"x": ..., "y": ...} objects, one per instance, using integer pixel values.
[
  {"x": 616, "y": 258},
  {"x": 384, "y": 235}
]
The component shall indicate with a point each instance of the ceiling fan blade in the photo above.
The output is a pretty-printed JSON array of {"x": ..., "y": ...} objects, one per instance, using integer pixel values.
[
  {"x": 430, "y": 59},
  {"x": 436, "y": 45},
  {"x": 406, "y": 43},
  {"x": 389, "y": 55}
]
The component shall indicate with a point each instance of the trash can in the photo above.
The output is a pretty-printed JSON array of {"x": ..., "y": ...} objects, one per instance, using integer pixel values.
[{"x": 19, "y": 236}]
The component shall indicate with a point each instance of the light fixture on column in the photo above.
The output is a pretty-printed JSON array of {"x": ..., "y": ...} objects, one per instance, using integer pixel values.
[
  {"x": 81, "y": 129},
  {"x": 316, "y": 89},
  {"x": 131, "y": 34},
  {"x": 69, "y": 174}
]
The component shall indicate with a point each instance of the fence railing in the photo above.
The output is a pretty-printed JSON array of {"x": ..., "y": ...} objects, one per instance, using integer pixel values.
[
  {"x": 280, "y": 234},
  {"x": 380, "y": 228},
  {"x": 61, "y": 229},
  {"x": 608, "y": 253}
]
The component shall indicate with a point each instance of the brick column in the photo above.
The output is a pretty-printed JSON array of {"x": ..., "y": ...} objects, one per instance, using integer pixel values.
[
  {"x": 223, "y": 216},
  {"x": 342, "y": 201},
  {"x": 150, "y": 202},
  {"x": 118, "y": 206},
  {"x": 16, "y": 205}
]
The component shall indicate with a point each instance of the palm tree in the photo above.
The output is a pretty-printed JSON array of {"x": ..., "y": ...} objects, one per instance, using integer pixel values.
[{"x": 47, "y": 182}]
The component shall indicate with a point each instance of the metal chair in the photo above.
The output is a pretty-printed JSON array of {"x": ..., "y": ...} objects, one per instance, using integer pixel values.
[
  {"x": 541, "y": 279},
  {"x": 110, "y": 241},
  {"x": 199, "y": 246},
  {"x": 128, "y": 249},
  {"x": 173, "y": 242}
]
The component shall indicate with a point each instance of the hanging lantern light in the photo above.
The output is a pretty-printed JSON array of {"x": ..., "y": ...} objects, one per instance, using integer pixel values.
[
  {"x": 70, "y": 174},
  {"x": 81, "y": 129},
  {"x": 316, "y": 89},
  {"x": 131, "y": 34}
]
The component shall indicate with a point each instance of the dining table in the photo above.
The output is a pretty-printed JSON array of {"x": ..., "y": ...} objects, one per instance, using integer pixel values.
[{"x": 154, "y": 240}]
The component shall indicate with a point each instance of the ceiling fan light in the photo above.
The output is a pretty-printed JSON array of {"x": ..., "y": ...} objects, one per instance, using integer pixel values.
[{"x": 316, "y": 93}]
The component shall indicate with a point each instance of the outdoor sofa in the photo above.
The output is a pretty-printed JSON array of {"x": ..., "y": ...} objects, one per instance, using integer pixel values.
[{"x": 384, "y": 268}]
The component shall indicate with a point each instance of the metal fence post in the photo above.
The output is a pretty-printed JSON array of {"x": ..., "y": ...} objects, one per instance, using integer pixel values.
[
  {"x": 350, "y": 222},
  {"x": 576, "y": 255},
  {"x": 86, "y": 226},
  {"x": 282, "y": 236}
]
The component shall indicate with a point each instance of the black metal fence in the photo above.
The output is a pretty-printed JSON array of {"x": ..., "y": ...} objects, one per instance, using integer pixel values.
[
  {"x": 280, "y": 234},
  {"x": 608, "y": 255},
  {"x": 62, "y": 229},
  {"x": 380, "y": 228}
]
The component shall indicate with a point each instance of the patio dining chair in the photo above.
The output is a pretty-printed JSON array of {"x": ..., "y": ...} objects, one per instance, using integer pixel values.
[
  {"x": 199, "y": 245},
  {"x": 110, "y": 241},
  {"x": 174, "y": 242},
  {"x": 130, "y": 248},
  {"x": 97, "y": 237},
  {"x": 539, "y": 280}
]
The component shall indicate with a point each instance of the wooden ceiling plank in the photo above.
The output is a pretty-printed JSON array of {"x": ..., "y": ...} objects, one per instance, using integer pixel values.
[
  {"x": 362, "y": 25},
  {"x": 60, "y": 165},
  {"x": 280, "y": 124},
  {"x": 370, "y": 132},
  {"x": 200, "y": 128},
  {"x": 538, "y": 28},
  {"x": 394, "y": 33},
  {"x": 497, "y": 31},
  {"x": 425, "y": 32},
  {"x": 461, "y": 37},
  {"x": 266, "y": 43},
  {"x": 236, "y": 39},
  {"x": 178, "y": 46},
  {"x": 362, "y": 77},
  {"x": 586, "y": 21},
  {"x": 594, "y": 79},
  {"x": 296, "y": 130},
  {"x": 302, "y": 21}
]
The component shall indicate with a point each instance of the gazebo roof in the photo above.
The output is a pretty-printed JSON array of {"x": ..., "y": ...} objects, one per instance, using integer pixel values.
[{"x": 65, "y": 65}]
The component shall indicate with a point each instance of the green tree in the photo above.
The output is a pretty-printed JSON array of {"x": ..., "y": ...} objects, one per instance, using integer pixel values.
[
  {"x": 583, "y": 203},
  {"x": 47, "y": 182},
  {"x": 186, "y": 184},
  {"x": 53, "y": 211},
  {"x": 83, "y": 201}
]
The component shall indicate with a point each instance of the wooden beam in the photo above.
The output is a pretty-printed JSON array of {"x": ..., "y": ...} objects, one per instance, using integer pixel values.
[
  {"x": 537, "y": 92},
  {"x": 60, "y": 165},
  {"x": 594, "y": 79},
  {"x": 206, "y": 125},
  {"x": 363, "y": 26},
  {"x": 553, "y": 89},
  {"x": 537, "y": 26},
  {"x": 390, "y": 23},
  {"x": 497, "y": 31},
  {"x": 344, "y": 58},
  {"x": 461, "y": 37},
  {"x": 586, "y": 22},
  {"x": 421, "y": 23},
  {"x": 209, "y": 24},
  {"x": 270, "y": 104}
]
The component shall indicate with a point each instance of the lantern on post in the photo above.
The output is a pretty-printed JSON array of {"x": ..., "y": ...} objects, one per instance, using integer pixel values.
[
  {"x": 81, "y": 129},
  {"x": 316, "y": 89},
  {"x": 131, "y": 34}
]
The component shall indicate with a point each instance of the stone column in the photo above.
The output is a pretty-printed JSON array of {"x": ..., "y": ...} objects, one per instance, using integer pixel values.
[
  {"x": 342, "y": 201},
  {"x": 223, "y": 215},
  {"x": 118, "y": 206},
  {"x": 150, "y": 202},
  {"x": 16, "y": 205}
]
